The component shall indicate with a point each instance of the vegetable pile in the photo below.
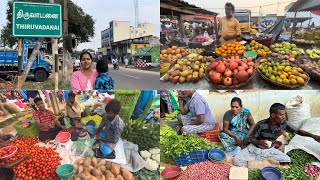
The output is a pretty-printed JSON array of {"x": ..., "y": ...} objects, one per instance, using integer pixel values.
[
  {"x": 176, "y": 145},
  {"x": 6, "y": 151},
  {"x": 42, "y": 164},
  {"x": 312, "y": 170},
  {"x": 94, "y": 169},
  {"x": 23, "y": 143},
  {"x": 206, "y": 170},
  {"x": 144, "y": 135},
  {"x": 152, "y": 157},
  {"x": 299, "y": 159}
]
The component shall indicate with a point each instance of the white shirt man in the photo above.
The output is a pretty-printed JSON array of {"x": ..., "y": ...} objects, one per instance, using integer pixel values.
[
  {"x": 114, "y": 61},
  {"x": 126, "y": 62},
  {"x": 186, "y": 25}
]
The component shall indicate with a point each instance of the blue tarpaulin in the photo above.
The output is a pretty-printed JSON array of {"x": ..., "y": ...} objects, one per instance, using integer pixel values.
[{"x": 144, "y": 98}]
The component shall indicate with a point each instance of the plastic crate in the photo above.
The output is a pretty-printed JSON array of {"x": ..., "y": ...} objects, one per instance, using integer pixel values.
[
  {"x": 32, "y": 130},
  {"x": 194, "y": 156},
  {"x": 128, "y": 100},
  {"x": 213, "y": 134}
]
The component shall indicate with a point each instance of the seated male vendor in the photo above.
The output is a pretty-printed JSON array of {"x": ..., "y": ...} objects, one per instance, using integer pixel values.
[
  {"x": 73, "y": 109},
  {"x": 111, "y": 127},
  {"x": 264, "y": 136}
]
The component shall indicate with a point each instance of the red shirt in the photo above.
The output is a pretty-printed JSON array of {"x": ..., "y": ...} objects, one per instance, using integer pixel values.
[{"x": 48, "y": 118}]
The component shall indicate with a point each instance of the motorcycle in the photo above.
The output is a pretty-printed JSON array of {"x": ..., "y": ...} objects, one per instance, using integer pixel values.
[{"x": 116, "y": 66}]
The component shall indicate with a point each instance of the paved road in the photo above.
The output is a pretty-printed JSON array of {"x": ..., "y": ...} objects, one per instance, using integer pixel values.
[{"x": 127, "y": 78}]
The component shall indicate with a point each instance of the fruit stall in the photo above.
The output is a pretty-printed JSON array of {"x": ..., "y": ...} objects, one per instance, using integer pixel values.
[
  {"x": 203, "y": 156},
  {"x": 73, "y": 155},
  {"x": 244, "y": 65}
]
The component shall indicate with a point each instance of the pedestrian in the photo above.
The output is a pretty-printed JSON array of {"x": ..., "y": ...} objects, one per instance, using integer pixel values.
[
  {"x": 103, "y": 81},
  {"x": 126, "y": 62},
  {"x": 229, "y": 26}
]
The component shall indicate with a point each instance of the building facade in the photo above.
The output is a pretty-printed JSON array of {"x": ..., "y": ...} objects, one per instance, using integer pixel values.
[{"x": 121, "y": 30}]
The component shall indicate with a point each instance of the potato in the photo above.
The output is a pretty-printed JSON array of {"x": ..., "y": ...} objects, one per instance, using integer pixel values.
[
  {"x": 109, "y": 175},
  {"x": 119, "y": 177},
  {"x": 94, "y": 162},
  {"x": 77, "y": 178},
  {"x": 87, "y": 173},
  {"x": 102, "y": 177},
  {"x": 75, "y": 166},
  {"x": 108, "y": 165},
  {"x": 93, "y": 178},
  {"x": 103, "y": 168},
  {"x": 107, "y": 171},
  {"x": 126, "y": 174},
  {"x": 80, "y": 161},
  {"x": 102, "y": 162},
  {"x": 115, "y": 169},
  {"x": 87, "y": 162},
  {"x": 90, "y": 169},
  {"x": 80, "y": 169}
]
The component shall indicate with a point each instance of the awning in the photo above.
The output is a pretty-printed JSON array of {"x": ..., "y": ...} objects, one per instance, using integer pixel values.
[
  {"x": 299, "y": 19},
  {"x": 305, "y": 5},
  {"x": 177, "y": 7}
]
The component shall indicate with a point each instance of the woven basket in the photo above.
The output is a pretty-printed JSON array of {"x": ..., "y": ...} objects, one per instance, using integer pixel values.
[
  {"x": 267, "y": 42},
  {"x": 313, "y": 75},
  {"x": 220, "y": 86},
  {"x": 276, "y": 83}
]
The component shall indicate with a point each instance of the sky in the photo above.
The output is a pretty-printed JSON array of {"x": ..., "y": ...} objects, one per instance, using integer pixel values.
[
  {"x": 104, "y": 11},
  {"x": 267, "y": 7}
]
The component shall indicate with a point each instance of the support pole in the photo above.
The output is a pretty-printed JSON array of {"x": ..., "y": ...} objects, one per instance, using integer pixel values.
[
  {"x": 56, "y": 62},
  {"x": 19, "y": 87},
  {"x": 216, "y": 29},
  {"x": 65, "y": 76}
]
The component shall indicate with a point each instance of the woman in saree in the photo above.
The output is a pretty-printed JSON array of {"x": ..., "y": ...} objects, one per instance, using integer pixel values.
[{"x": 235, "y": 126}]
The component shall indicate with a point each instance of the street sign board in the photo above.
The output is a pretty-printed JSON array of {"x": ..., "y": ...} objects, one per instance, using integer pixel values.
[{"x": 36, "y": 20}]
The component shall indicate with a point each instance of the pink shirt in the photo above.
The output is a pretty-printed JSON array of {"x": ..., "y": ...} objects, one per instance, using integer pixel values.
[{"x": 79, "y": 81}]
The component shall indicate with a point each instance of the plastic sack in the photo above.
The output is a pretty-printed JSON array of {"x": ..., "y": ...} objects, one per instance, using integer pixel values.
[
  {"x": 307, "y": 144},
  {"x": 297, "y": 111}
]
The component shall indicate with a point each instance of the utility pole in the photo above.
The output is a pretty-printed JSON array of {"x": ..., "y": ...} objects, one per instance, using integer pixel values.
[
  {"x": 65, "y": 76},
  {"x": 55, "y": 77}
]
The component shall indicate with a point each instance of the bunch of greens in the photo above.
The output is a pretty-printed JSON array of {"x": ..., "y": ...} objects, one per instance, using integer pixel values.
[
  {"x": 299, "y": 159},
  {"x": 144, "y": 135},
  {"x": 175, "y": 145}
]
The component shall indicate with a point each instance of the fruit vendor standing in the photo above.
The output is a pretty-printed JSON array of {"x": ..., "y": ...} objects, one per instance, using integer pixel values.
[
  {"x": 200, "y": 118},
  {"x": 46, "y": 121},
  {"x": 264, "y": 137},
  {"x": 229, "y": 26}
]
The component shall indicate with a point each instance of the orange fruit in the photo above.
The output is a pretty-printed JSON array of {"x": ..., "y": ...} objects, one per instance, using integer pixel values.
[
  {"x": 222, "y": 50},
  {"x": 231, "y": 48},
  {"x": 224, "y": 47},
  {"x": 237, "y": 48},
  {"x": 233, "y": 45},
  {"x": 233, "y": 52},
  {"x": 218, "y": 52},
  {"x": 229, "y": 52},
  {"x": 228, "y": 44}
]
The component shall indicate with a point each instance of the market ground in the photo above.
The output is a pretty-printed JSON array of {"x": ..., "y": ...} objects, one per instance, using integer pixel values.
[
  {"x": 131, "y": 78},
  {"x": 255, "y": 83}
]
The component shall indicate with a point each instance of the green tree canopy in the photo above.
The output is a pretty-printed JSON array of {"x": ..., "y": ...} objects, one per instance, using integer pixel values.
[{"x": 79, "y": 23}]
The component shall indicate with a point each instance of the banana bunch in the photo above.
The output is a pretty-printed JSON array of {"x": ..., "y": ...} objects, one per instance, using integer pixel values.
[
  {"x": 172, "y": 115},
  {"x": 314, "y": 53},
  {"x": 253, "y": 32}
]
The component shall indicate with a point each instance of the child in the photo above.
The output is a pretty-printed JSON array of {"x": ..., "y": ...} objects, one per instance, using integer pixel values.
[
  {"x": 111, "y": 127},
  {"x": 103, "y": 80}
]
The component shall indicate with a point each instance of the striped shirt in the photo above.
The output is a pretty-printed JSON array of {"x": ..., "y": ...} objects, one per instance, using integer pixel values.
[
  {"x": 48, "y": 117},
  {"x": 263, "y": 131},
  {"x": 113, "y": 129}
]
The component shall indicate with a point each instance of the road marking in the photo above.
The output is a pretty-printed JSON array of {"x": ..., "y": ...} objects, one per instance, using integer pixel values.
[{"x": 131, "y": 76}]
